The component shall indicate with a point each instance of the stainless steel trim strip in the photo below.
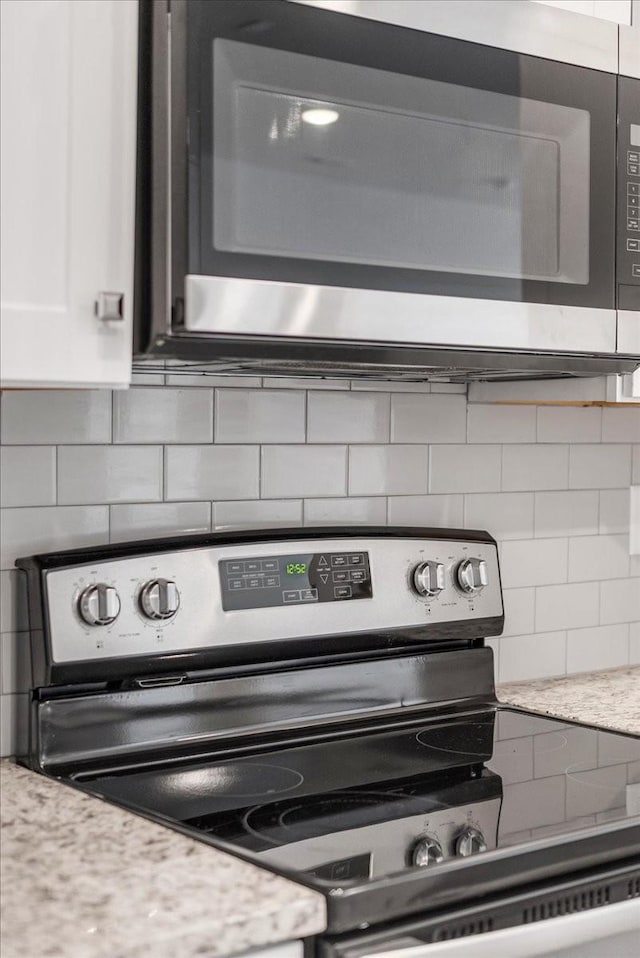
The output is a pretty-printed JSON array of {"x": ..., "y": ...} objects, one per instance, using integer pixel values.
[
  {"x": 260, "y": 308},
  {"x": 530, "y": 28}
]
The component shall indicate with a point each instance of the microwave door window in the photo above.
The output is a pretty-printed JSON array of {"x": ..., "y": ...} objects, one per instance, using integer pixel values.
[{"x": 321, "y": 160}]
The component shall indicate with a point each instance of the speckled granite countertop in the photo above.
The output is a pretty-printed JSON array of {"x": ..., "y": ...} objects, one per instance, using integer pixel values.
[
  {"x": 84, "y": 879},
  {"x": 610, "y": 699}
]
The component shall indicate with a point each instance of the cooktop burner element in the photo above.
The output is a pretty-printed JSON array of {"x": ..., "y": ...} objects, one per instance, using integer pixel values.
[
  {"x": 251, "y": 780},
  {"x": 356, "y": 746},
  {"x": 337, "y": 811}
]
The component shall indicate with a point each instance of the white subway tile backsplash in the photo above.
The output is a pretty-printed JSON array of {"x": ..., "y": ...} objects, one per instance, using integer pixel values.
[
  {"x": 569, "y": 423},
  {"x": 598, "y": 557},
  {"x": 614, "y": 512},
  {"x": 380, "y": 385},
  {"x": 507, "y": 515},
  {"x": 535, "y": 467},
  {"x": 212, "y": 472},
  {"x": 532, "y": 656},
  {"x": 153, "y": 519},
  {"x": 566, "y": 606},
  {"x": 256, "y": 415},
  {"x": 51, "y": 416},
  {"x": 163, "y": 415},
  {"x": 621, "y": 424},
  {"x": 603, "y": 647},
  {"x": 370, "y": 510},
  {"x": 51, "y": 528},
  {"x": 97, "y": 474},
  {"x": 446, "y": 511},
  {"x": 459, "y": 389},
  {"x": 388, "y": 470},
  {"x": 634, "y": 643},
  {"x": 566, "y": 513},
  {"x": 147, "y": 379},
  {"x": 533, "y": 562},
  {"x": 304, "y": 382},
  {"x": 619, "y": 601},
  {"x": 257, "y": 513},
  {"x": 428, "y": 418},
  {"x": 10, "y": 744},
  {"x": 28, "y": 476},
  {"x": 465, "y": 469},
  {"x": 13, "y": 602},
  {"x": 290, "y": 472},
  {"x": 178, "y": 374},
  {"x": 494, "y": 423},
  {"x": 288, "y": 451},
  {"x": 599, "y": 466},
  {"x": 15, "y": 663},
  {"x": 519, "y": 609},
  {"x": 8, "y": 664},
  {"x": 348, "y": 417}
]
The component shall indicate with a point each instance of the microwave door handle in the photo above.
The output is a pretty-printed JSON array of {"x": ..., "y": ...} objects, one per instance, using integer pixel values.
[{"x": 610, "y": 930}]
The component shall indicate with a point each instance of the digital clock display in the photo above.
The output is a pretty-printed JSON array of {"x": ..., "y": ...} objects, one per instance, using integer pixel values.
[{"x": 296, "y": 568}]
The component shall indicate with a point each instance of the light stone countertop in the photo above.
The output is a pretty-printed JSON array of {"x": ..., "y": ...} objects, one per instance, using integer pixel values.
[
  {"x": 609, "y": 699},
  {"x": 82, "y": 878}
]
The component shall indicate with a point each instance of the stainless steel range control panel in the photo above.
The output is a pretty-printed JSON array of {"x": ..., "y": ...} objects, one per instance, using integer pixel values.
[
  {"x": 263, "y": 581},
  {"x": 235, "y": 594},
  {"x": 373, "y": 851}
]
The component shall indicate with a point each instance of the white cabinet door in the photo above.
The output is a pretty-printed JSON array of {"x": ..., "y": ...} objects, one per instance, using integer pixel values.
[
  {"x": 617, "y": 10},
  {"x": 68, "y": 138}
]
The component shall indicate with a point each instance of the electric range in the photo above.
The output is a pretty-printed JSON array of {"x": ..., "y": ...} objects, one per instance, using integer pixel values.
[{"x": 322, "y": 702}]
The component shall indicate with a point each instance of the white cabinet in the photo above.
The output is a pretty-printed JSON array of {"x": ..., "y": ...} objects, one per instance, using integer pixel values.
[
  {"x": 617, "y": 10},
  {"x": 68, "y": 141}
]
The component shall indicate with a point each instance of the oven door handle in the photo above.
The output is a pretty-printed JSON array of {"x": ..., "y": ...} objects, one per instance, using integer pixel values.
[{"x": 609, "y": 930}]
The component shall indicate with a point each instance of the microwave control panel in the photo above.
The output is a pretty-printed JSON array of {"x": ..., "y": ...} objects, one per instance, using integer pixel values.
[{"x": 629, "y": 194}]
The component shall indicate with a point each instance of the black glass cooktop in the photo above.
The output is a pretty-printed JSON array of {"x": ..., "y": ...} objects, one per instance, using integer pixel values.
[{"x": 365, "y": 805}]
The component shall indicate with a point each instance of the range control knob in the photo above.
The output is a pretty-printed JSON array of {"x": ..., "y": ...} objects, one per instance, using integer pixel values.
[
  {"x": 160, "y": 599},
  {"x": 99, "y": 604},
  {"x": 470, "y": 842},
  {"x": 428, "y": 578},
  {"x": 427, "y": 851},
  {"x": 472, "y": 575}
]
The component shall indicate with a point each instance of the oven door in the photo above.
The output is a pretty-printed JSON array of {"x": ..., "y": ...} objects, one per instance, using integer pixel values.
[
  {"x": 610, "y": 931},
  {"x": 330, "y": 172}
]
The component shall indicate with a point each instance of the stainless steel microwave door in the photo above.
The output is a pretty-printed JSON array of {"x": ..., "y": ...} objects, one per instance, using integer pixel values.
[{"x": 329, "y": 161}]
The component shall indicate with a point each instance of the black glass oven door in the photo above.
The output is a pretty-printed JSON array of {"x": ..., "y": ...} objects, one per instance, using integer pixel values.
[{"x": 326, "y": 149}]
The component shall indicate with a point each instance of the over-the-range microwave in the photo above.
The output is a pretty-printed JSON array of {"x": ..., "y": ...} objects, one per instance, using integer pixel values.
[{"x": 390, "y": 189}]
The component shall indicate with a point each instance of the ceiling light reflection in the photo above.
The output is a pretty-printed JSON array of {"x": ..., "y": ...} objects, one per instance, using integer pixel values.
[{"x": 320, "y": 116}]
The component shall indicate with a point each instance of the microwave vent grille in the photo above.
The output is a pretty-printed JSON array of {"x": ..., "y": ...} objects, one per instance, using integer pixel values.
[{"x": 360, "y": 371}]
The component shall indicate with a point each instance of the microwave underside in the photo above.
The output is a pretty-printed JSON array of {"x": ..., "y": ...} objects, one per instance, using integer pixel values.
[{"x": 255, "y": 356}]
